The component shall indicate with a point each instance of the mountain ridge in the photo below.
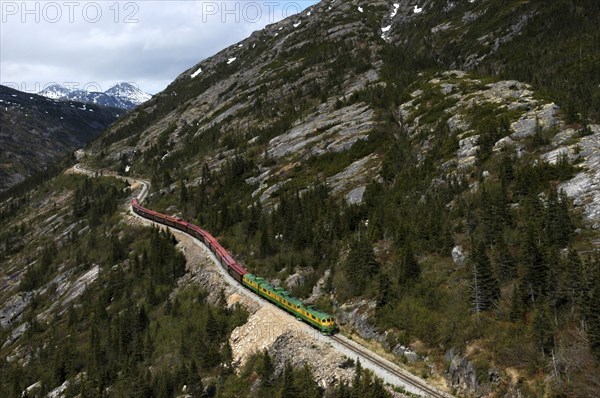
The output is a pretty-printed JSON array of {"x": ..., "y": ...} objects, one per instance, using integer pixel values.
[
  {"x": 121, "y": 95},
  {"x": 437, "y": 193},
  {"x": 322, "y": 102},
  {"x": 38, "y": 131}
]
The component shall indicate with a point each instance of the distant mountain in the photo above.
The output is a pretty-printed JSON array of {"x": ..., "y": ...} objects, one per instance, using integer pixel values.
[
  {"x": 427, "y": 171},
  {"x": 37, "y": 131},
  {"x": 121, "y": 95}
]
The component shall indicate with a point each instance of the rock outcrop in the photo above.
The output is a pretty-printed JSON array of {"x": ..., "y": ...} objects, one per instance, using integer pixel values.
[{"x": 584, "y": 188}]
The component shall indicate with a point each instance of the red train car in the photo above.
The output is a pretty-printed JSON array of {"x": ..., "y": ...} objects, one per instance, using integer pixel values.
[{"x": 225, "y": 259}]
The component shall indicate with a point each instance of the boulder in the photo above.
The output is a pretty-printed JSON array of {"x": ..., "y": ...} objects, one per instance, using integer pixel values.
[{"x": 458, "y": 255}]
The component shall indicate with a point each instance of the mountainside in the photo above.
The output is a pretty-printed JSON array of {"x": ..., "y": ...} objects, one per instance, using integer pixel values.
[
  {"x": 121, "y": 95},
  {"x": 37, "y": 131},
  {"x": 429, "y": 174}
]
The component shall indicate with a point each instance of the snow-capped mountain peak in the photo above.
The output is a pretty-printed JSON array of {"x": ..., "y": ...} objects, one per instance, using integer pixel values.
[
  {"x": 129, "y": 92},
  {"x": 55, "y": 91},
  {"x": 121, "y": 95}
]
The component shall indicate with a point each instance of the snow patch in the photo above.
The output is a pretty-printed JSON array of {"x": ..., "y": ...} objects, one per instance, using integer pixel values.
[
  {"x": 395, "y": 10},
  {"x": 196, "y": 73},
  {"x": 231, "y": 60},
  {"x": 297, "y": 24},
  {"x": 127, "y": 168},
  {"x": 308, "y": 13},
  {"x": 386, "y": 29},
  {"x": 417, "y": 9},
  {"x": 360, "y": 9}
]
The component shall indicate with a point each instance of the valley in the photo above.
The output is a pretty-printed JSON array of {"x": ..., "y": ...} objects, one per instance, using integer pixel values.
[{"x": 428, "y": 174}]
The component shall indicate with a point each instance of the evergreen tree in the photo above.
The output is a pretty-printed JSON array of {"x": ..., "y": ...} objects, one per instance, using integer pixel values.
[
  {"x": 536, "y": 277},
  {"x": 542, "y": 330},
  {"x": 411, "y": 270},
  {"x": 266, "y": 369},
  {"x": 484, "y": 286},
  {"x": 183, "y": 194},
  {"x": 360, "y": 266},
  {"x": 504, "y": 262},
  {"x": 593, "y": 321},
  {"x": 306, "y": 385},
  {"x": 565, "y": 224},
  {"x": 574, "y": 280},
  {"x": 356, "y": 389},
  {"x": 288, "y": 388},
  {"x": 266, "y": 247},
  {"x": 383, "y": 293}
]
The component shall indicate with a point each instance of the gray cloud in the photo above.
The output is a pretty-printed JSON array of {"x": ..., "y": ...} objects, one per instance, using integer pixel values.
[{"x": 98, "y": 43}]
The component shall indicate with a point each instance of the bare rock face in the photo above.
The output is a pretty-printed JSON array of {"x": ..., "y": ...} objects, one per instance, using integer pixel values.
[
  {"x": 319, "y": 286},
  {"x": 298, "y": 277},
  {"x": 544, "y": 117},
  {"x": 325, "y": 131},
  {"x": 467, "y": 151},
  {"x": 288, "y": 341},
  {"x": 459, "y": 256},
  {"x": 503, "y": 143},
  {"x": 356, "y": 315},
  {"x": 329, "y": 367},
  {"x": 15, "y": 334},
  {"x": 356, "y": 195},
  {"x": 584, "y": 188},
  {"x": 352, "y": 181},
  {"x": 13, "y": 309},
  {"x": 406, "y": 352},
  {"x": 462, "y": 375}
]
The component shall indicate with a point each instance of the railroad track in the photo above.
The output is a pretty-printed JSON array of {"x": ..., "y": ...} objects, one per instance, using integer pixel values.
[
  {"x": 411, "y": 383},
  {"x": 388, "y": 367}
]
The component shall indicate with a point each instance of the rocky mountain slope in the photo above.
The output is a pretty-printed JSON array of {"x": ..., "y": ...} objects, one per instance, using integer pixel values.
[
  {"x": 121, "y": 95},
  {"x": 37, "y": 131},
  {"x": 368, "y": 99},
  {"x": 417, "y": 170}
]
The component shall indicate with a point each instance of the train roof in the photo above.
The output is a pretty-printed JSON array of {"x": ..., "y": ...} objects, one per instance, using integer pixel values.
[{"x": 285, "y": 294}]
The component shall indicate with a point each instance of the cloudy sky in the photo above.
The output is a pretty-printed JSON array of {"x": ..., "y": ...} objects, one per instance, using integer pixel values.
[{"x": 93, "y": 44}]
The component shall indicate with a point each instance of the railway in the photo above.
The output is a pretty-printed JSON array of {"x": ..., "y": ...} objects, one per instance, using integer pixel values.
[
  {"x": 383, "y": 368},
  {"x": 418, "y": 387},
  {"x": 276, "y": 295}
]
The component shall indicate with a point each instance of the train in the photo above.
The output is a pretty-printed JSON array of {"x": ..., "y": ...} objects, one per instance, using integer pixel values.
[{"x": 276, "y": 295}]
